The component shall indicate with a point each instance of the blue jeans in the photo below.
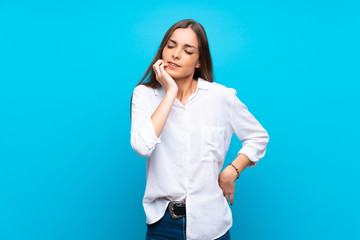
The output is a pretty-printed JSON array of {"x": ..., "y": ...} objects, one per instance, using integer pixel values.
[{"x": 172, "y": 229}]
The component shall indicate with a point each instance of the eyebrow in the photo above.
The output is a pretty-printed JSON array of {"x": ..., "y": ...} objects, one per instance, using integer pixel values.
[{"x": 186, "y": 45}]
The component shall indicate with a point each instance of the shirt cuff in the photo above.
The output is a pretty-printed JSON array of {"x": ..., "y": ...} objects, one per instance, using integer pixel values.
[
  {"x": 254, "y": 160},
  {"x": 147, "y": 133}
]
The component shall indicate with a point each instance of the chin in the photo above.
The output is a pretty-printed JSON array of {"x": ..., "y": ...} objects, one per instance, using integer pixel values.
[{"x": 176, "y": 75}]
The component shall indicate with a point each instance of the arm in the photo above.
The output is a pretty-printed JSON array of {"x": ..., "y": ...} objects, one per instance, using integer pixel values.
[
  {"x": 161, "y": 113},
  {"x": 254, "y": 140},
  {"x": 143, "y": 138},
  {"x": 146, "y": 126},
  {"x": 228, "y": 176}
]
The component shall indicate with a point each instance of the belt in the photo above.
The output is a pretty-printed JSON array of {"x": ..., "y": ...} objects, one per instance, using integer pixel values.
[{"x": 177, "y": 209}]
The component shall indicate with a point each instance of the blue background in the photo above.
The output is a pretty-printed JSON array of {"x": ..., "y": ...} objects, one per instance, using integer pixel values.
[{"x": 67, "y": 71}]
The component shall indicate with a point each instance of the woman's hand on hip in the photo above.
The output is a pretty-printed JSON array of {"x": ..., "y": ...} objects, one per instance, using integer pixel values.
[
  {"x": 227, "y": 183},
  {"x": 163, "y": 77}
]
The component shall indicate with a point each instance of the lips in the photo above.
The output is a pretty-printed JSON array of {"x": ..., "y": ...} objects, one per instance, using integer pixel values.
[{"x": 173, "y": 65}]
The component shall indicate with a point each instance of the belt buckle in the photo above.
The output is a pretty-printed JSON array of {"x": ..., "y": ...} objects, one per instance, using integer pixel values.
[{"x": 171, "y": 209}]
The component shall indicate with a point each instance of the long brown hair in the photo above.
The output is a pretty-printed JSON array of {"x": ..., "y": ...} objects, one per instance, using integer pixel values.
[{"x": 206, "y": 67}]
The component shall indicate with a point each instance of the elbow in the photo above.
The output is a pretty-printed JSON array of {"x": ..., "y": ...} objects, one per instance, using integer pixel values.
[
  {"x": 266, "y": 137},
  {"x": 255, "y": 148},
  {"x": 140, "y": 147},
  {"x": 263, "y": 142}
]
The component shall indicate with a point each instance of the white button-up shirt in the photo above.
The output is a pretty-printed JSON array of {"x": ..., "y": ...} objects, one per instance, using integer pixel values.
[{"x": 186, "y": 160}]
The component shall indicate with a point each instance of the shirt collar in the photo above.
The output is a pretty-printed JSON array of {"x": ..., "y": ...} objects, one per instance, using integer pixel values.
[{"x": 202, "y": 84}]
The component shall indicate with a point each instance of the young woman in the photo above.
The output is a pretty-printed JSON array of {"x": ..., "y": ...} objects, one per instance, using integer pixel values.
[{"x": 183, "y": 123}]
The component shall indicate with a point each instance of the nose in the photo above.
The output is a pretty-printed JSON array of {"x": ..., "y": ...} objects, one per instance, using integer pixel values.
[{"x": 176, "y": 53}]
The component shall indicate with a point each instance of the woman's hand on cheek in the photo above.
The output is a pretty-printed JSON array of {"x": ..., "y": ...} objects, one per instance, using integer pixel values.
[
  {"x": 163, "y": 77},
  {"x": 227, "y": 183}
]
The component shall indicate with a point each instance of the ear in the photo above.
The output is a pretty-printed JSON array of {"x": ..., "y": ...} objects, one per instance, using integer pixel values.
[{"x": 197, "y": 64}]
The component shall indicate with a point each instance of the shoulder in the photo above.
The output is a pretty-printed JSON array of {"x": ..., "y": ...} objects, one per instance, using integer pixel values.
[
  {"x": 222, "y": 90},
  {"x": 144, "y": 90},
  {"x": 219, "y": 93}
]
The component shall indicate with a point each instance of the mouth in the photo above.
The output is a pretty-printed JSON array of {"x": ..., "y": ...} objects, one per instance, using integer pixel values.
[{"x": 173, "y": 65}]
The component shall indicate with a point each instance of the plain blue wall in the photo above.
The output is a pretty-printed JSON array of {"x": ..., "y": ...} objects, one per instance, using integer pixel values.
[{"x": 67, "y": 71}]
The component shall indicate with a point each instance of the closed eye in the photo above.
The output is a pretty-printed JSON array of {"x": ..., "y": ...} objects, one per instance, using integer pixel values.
[{"x": 169, "y": 46}]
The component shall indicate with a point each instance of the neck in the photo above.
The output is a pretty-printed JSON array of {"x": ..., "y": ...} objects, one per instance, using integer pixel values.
[{"x": 186, "y": 87}]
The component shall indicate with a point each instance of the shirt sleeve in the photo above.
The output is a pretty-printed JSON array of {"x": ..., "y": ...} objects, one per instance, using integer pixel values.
[
  {"x": 253, "y": 136},
  {"x": 143, "y": 138}
]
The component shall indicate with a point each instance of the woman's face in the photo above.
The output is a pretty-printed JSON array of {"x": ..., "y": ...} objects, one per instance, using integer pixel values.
[{"x": 181, "y": 53}]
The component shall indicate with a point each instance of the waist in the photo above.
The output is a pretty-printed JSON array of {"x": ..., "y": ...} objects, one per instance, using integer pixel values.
[{"x": 177, "y": 209}]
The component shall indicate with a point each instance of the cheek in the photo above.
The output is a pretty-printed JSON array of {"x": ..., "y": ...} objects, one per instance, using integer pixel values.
[
  {"x": 165, "y": 53},
  {"x": 191, "y": 61}
]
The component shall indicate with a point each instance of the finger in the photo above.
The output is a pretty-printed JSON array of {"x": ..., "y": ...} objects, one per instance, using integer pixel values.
[
  {"x": 227, "y": 197},
  {"x": 158, "y": 62},
  {"x": 156, "y": 74},
  {"x": 162, "y": 68},
  {"x": 231, "y": 199},
  {"x": 156, "y": 71}
]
